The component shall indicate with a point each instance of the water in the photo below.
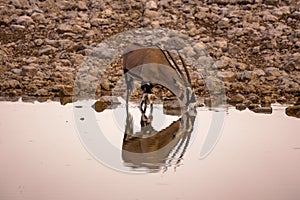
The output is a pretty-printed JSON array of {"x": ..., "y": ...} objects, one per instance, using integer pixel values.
[{"x": 43, "y": 156}]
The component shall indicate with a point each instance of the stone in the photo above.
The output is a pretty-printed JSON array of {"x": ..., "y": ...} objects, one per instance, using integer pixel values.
[
  {"x": 38, "y": 42},
  {"x": 240, "y": 106},
  {"x": 272, "y": 71},
  {"x": 29, "y": 70},
  {"x": 105, "y": 85},
  {"x": 106, "y": 102},
  {"x": 62, "y": 28},
  {"x": 18, "y": 27},
  {"x": 248, "y": 75},
  {"x": 259, "y": 72},
  {"x": 264, "y": 110},
  {"x": 238, "y": 98},
  {"x": 42, "y": 92},
  {"x": 253, "y": 106},
  {"x": 68, "y": 45},
  {"x": 17, "y": 71},
  {"x": 270, "y": 18},
  {"x": 66, "y": 5},
  {"x": 151, "y": 13},
  {"x": 283, "y": 10},
  {"x": 15, "y": 84},
  {"x": 46, "y": 50},
  {"x": 81, "y": 5},
  {"x": 99, "y": 106},
  {"x": 226, "y": 75},
  {"x": 151, "y": 5},
  {"x": 266, "y": 101},
  {"x": 66, "y": 90},
  {"x": 155, "y": 24},
  {"x": 25, "y": 20},
  {"x": 293, "y": 111}
]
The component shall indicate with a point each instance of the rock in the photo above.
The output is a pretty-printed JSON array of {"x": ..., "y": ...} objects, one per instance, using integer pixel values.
[
  {"x": 151, "y": 5},
  {"x": 39, "y": 18},
  {"x": 265, "y": 110},
  {"x": 245, "y": 1},
  {"x": 151, "y": 13},
  {"x": 18, "y": 27},
  {"x": 241, "y": 66},
  {"x": 226, "y": 75},
  {"x": 29, "y": 70},
  {"x": 17, "y": 71},
  {"x": 81, "y": 5},
  {"x": 253, "y": 106},
  {"x": 66, "y": 90},
  {"x": 68, "y": 45},
  {"x": 247, "y": 103},
  {"x": 223, "y": 62},
  {"x": 238, "y": 98},
  {"x": 270, "y": 18},
  {"x": 221, "y": 2},
  {"x": 224, "y": 23},
  {"x": 222, "y": 44},
  {"x": 106, "y": 102},
  {"x": 266, "y": 101},
  {"x": 25, "y": 20},
  {"x": 46, "y": 50},
  {"x": 155, "y": 24},
  {"x": 248, "y": 75},
  {"x": 284, "y": 10},
  {"x": 15, "y": 84},
  {"x": 293, "y": 111},
  {"x": 272, "y": 71},
  {"x": 240, "y": 106},
  {"x": 105, "y": 85},
  {"x": 38, "y": 42},
  {"x": 100, "y": 106},
  {"x": 62, "y": 28},
  {"x": 65, "y": 100},
  {"x": 42, "y": 92},
  {"x": 259, "y": 72},
  {"x": 66, "y": 5}
]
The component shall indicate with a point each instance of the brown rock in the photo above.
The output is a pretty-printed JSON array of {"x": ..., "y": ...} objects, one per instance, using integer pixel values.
[
  {"x": 42, "y": 92},
  {"x": 226, "y": 75},
  {"x": 151, "y": 5},
  {"x": 66, "y": 91},
  {"x": 293, "y": 111},
  {"x": 253, "y": 106},
  {"x": 272, "y": 71},
  {"x": 265, "y": 110},
  {"x": 100, "y": 106},
  {"x": 238, "y": 98},
  {"x": 29, "y": 70},
  {"x": 151, "y": 13},
  {"x": 25, "y": 20},
  {"x": 240, "y": 106},
  {"x": 253, "y": 98},
  {"x": 266, "y": 101}
]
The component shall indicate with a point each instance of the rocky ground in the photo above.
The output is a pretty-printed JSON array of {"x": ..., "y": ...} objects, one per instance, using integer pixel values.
[{"x": 255, "y": 43}]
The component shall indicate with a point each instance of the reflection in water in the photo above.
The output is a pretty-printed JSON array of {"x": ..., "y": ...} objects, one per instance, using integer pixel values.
[{"x": 153, "y": 149}]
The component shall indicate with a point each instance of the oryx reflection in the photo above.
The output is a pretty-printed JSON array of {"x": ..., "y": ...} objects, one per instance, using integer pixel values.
[{"x": 153, "y": 149}]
